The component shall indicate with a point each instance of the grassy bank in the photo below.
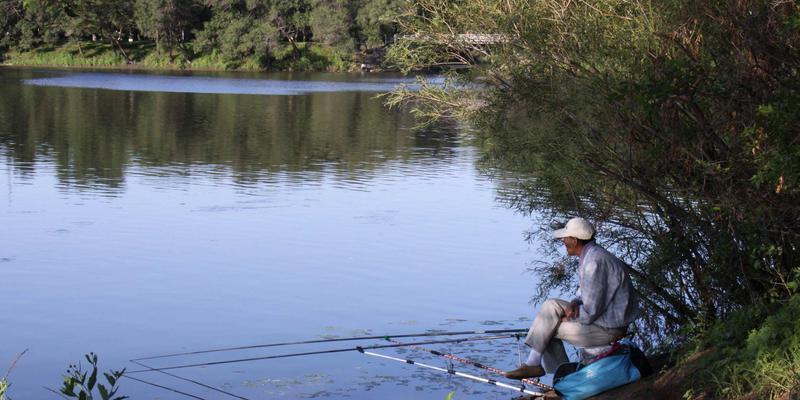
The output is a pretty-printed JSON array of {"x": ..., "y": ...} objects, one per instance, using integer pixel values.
[
  {"x": 307, "y": 57},
  {"x": 755, "y": 353},
  {"x": 73, "y": 55}
]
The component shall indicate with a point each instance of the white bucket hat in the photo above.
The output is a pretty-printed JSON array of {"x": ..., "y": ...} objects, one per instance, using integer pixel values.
[{"x": 577, "y": 227}]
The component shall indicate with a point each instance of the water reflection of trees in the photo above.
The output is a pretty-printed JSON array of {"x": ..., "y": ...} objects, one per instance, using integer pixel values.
[{"x": 93, "y": 136}]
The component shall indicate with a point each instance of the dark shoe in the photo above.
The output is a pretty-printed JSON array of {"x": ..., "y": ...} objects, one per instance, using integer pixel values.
[{"x": 525, "y": 371}]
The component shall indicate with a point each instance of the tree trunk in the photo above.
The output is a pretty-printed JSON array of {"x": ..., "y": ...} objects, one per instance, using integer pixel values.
[
  {"x": 295, "y": 49},
  {"x": 116, "y": 43}
]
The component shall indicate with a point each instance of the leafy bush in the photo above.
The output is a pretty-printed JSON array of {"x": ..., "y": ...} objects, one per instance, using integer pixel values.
[
  {"x": 757, "y": 353},
  {"x": 83, "y": 385}
]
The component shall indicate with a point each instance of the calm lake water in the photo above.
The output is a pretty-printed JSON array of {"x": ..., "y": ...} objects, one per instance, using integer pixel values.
[{"x": 146, "y": 214}]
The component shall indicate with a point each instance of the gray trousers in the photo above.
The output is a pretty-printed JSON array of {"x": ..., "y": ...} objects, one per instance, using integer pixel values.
[{"x": 548, "y": 333}]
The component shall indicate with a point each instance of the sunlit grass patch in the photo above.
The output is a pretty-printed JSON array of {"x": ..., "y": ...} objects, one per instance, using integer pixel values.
[
  {"x": 758, "y": 353},
  {"x": 163, "y": 60},
  {"x": 65, "y": 58},
  {"x": 83, "y": 54},
  {"x": 305, "y": 57}
]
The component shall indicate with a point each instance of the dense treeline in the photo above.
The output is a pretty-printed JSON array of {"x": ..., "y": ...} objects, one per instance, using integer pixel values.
[
  {"x": 233, "y": 33},
  {"x": 673, "y": 124}
]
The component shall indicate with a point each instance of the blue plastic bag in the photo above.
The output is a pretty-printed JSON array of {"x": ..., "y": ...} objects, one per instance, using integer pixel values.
[{"x": 604, "y": 374}]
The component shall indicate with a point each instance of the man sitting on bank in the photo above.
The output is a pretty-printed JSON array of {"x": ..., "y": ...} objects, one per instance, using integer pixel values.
[{"x": 606, "y": 304}]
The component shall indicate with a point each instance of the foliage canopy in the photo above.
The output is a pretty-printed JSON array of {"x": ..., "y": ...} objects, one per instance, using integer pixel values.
[
  {"x": 231, "y": 32},
  {"x": 673, "y": 125}
]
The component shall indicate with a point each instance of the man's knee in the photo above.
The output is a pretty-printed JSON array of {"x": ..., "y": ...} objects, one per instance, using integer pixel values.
[{"x": 551, "y": 304}]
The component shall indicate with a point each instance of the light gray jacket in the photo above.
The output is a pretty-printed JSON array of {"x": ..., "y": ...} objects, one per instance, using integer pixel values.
[{"x": 605, "y": 289}]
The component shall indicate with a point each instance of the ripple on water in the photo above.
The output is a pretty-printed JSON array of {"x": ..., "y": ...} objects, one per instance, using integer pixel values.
[{"x": 216, "y": 85}]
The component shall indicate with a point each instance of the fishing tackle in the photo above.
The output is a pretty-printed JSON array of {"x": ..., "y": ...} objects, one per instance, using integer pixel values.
[
  {"x": 308, "y": 353},
  {"x": 521, "y": 388},
  {"x": 189, "y": 380},
  {"x": 470, "y": 362},
  {"x": 408, "y": 335}
]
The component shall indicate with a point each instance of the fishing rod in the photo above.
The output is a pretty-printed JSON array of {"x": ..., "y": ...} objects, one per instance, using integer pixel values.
[
  {"x": 409, "y": 335},
  {"x": 471, "y": 362},
  {"x": 520, "y": 388},
  {"x": 308, "y": 353}
]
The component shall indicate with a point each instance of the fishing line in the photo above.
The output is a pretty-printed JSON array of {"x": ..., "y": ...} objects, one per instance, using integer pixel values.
[
  {"x": 190, "y": 380},
  {"x": 409, "y": 335},
  {"x": 163, "y": 387},
  {"x": 308, "y": 353}
]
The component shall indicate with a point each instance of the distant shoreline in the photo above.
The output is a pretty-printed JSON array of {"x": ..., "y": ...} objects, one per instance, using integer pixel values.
[
  {"x": 93, "y": 55},
  {"x": 143, "y": 68}
]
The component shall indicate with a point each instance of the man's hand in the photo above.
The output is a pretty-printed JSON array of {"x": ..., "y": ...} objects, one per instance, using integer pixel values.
[{"x": 572, "y": 311}]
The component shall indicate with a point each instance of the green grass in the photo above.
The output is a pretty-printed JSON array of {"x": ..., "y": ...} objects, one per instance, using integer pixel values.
[
  {"x": 310, "y": 57},
  {"x": 90, "y": 54},
  {"x": 4, "y": 385},
  {"x": 3, "y": 388},
  {"x": 155, "y": 60},
  {"x": 211, "y": 61},
  {"x": 757, "y": 353}
]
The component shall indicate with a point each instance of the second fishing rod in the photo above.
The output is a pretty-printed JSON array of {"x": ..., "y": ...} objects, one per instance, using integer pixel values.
[
  {"x": 340, "y": 350},
  {"x": 332, "y": 340}
]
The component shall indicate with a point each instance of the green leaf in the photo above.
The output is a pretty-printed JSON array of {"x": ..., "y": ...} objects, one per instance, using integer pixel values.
[
  {"x": 69, "y": 391},
  {"x": 103, "y": 392},
  {"x": 68, "y": 385},
  {"x": 765, "y": 109},
  {"x": 82, "y": 396},
  {"x": 450, "y": 395},
  {"x": 112, "y": 380},
  {"x": 92, "y": 379}
]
